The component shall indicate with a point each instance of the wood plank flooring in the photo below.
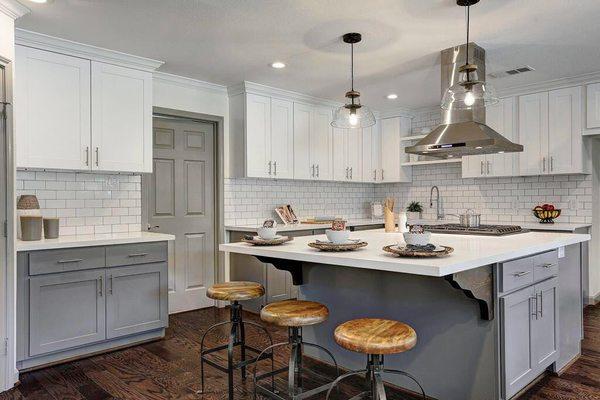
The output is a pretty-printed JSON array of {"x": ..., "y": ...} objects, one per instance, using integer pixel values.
[{"x": 170, "y": 369}]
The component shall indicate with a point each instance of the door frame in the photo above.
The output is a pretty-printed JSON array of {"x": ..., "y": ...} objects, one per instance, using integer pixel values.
[{"x": 219, "y": 181}]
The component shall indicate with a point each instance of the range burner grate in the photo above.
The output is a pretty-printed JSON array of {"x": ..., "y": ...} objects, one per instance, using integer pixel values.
[{"x": 494, "y": 230}]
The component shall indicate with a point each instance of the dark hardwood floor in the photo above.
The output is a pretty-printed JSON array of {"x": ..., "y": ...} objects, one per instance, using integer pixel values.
[{"x": 170, "y": 369}]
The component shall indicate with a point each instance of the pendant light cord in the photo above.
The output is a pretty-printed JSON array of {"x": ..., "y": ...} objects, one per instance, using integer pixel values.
[{"x": 352, "y": 69}]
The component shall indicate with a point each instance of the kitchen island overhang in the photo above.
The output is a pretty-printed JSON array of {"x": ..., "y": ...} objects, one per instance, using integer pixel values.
[{"x": 459, "y": 354}]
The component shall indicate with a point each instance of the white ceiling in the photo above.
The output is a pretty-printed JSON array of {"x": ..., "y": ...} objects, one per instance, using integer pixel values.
[{"x": 227, "y": 41}]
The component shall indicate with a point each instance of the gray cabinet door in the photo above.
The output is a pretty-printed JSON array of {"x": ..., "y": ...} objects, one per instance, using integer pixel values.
[
  {"x": 66, "y": 310},
  {"x": 545, "y": 327},
  {"x": 518, "y": 317},
  {"x": 136, "y": 299}
]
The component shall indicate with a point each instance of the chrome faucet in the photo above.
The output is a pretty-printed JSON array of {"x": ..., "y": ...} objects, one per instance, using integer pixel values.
[{"x": 439, "y": 213}]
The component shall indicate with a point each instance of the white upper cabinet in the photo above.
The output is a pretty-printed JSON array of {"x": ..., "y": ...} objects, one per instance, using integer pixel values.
[
  {"x": 258, "y": 136},
  {"x": 354, "y": 154},
  {"x": 282, "y": 138},
  {"x": 565, "y": 141},
  {"x": 303, "y": 130},
  {"x": 321, "y": 142},
  {"x": 593, "y": 106},
  {"x": 369, "y": 162},
  {"x": 392, "y": 152},
  {"x": 52, "y": 94},
  {"x": 121, "y": 118},
  {"x": 533, "y": 133},
  {"x": 347, "y": 154},
  {"x": 502, "y": 118},
  {"x": 79, "y": 114},
  {"x": 550, "y": 130}
]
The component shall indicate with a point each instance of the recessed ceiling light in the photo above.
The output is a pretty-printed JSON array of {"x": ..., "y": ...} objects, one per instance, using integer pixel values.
[
  {"x": 41, "y": 1},
  {"x": 278, "y": 65},
  {"x": 392, "y": 96}
]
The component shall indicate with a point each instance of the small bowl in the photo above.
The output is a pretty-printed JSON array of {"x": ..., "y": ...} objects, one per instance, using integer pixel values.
[
  {"x": 417, "y": 239},
  {"x": 337, "y": 237},
  {"x": 546, "y": 216},
  {"x": 267, "y": 233}
]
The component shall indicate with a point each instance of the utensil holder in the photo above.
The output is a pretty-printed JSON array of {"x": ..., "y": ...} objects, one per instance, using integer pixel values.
[{"x": 390, "y": 220}]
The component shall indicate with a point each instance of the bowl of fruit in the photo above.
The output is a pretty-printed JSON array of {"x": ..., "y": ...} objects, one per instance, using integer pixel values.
[{"x": 546, "y": 213}]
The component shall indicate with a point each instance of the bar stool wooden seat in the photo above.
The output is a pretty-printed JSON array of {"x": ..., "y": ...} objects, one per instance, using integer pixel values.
[
  {"x": 294, "y": 314},
  {"x": 375, "y": 337},
  {"x": 234, "y": 292}
]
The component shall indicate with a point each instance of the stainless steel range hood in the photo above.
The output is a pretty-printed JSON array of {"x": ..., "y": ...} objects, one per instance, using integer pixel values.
[{"x": 463, "y": 132}]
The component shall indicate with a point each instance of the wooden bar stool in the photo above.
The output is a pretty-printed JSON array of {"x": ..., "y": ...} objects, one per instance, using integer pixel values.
[
  {"x": 375, "y": 337},
  {"x": 293, "y": 314},
  {"x": 234, "y": 292}
]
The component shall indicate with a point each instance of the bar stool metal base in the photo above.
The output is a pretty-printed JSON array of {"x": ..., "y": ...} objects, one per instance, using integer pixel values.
[
  {"x": 237, "y": 337},
  {"x": 295, "y": 369},
  {"x": 373, "y": 376}
]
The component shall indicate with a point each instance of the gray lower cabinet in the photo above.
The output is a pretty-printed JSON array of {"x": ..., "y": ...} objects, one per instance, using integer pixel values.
[
  {"x": 529, "y": 331},
  {"x": 66, "y": 310},
  {"x": 136, "y": 299},
  {"x": 73, "y": 302}
]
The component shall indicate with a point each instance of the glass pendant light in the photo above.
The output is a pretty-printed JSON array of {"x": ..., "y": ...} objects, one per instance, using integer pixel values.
[
  {"x": 352, "y": 114},
  {"x": 469, "y": 92}
]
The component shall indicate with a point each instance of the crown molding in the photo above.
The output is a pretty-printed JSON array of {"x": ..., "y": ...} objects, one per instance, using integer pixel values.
[
  {"x": 188, "y": 82},
  {"x": 264, "y": 90},
  {"x": 13, "y": 8},
  {"x": 45, "y": 42},
  {"x": 551, "y": 84}
]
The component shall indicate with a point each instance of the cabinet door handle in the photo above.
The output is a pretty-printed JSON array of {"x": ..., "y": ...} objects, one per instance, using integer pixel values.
[
  {"x": 375, "y": 175},
  {"x": 540, "y": 303},
  {"x": 317, "y": 170},
  {"x": 543, "y": 164},
  {"x": 520, "y": 274},
  {"x": 551, "y": 163},
  {"x": 270, "y": 166},
  {"x": 100, "y": 286},
  {"x": 97, "y": 156},
  {"x": 87, "y": 156},
  {"x": 488, "y": 167},
  {"x": 346, "y": 172},
  {"x": 313, "y": 171},
  {"x": 482, "y": 170},
  {"x": 382, "y": 174},
  {"x": 74, "y": 260},
  {"x": 137, "y": 255},
  {"x": 351, "y": 172},
  {"x": 110, "y": 281},
  {"x": 275, "y": 167},
  {"x": 531, "y": 309}
]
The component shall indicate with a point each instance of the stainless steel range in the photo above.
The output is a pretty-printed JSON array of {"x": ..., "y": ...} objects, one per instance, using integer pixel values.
[{"x": 490, "y": 230}]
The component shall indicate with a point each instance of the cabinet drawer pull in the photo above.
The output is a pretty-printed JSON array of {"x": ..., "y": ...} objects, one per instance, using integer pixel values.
[
  {"x": 74, "y": 260},
  {"x": 520, "y": 274},
  {"x": 137, "y": 255},
  {"x": 549, "y": 265}
]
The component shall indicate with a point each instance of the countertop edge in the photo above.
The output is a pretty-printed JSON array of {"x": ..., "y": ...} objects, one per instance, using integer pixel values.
[{"x": 75, "y": 241}]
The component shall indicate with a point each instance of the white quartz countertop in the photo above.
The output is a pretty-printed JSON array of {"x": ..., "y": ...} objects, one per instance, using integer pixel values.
[
  {"x": 470, "y": 251},
  {"x": 64, "y": 242},
  {"x": 303, "y": 227}
]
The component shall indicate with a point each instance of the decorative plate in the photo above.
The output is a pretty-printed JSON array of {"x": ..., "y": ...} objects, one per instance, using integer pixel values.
[
  {"x": 328, "y": 246},
  {"x": 257, "y": 241},
  {"x": 404, "y": 252}
]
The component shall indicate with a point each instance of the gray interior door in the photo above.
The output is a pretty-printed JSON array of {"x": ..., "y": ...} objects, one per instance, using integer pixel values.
[
  {"x": 181, "y": 201},
  {"x": 136, "y": 299}
]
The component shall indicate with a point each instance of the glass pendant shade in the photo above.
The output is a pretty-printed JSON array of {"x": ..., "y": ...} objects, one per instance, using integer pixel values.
[
  {"x": 469, "y": 92},
  {"x": 349, "y": 117}
]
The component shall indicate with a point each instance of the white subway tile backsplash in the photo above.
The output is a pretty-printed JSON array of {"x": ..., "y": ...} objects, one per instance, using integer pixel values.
[{"x": 86, "y": 203}]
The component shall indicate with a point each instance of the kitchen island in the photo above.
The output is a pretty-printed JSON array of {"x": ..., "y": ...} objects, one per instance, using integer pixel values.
[{"x": 480, "y": 333}]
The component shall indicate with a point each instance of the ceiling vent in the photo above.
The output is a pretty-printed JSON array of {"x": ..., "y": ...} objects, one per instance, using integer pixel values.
[{"x": 511, "y": 72}]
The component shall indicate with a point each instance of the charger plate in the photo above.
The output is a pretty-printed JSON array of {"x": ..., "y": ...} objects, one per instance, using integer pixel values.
[
  {"x": 404, "y": 252},
  {"x": 324, "y": 246},
  {"x": 256, "y": 241}
]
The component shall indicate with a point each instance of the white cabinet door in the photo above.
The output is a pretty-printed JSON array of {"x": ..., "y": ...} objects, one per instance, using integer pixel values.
[
  {"x": 369, "y": 163},
  {"x": 390, "y": 150},
  {"x": 354, "y": 153},
  {"x": 474, "y": 166},
  {"x": 545, "y": 328},
  {"x": 321, "y": 143},
  {"x": 303, "y": 121},
  {"x": 341, "y": 170},
  {"x": 593, "y": 106},
  {"x": 282, "y": 138},
  {"x": 533, "y": 133},
  {"x": 122, "y": 118},
  {"x": 375, "y": 152},
  {"x": 564, "y": 131},
  {"x": 258, "y": 136},
  {"x": 52, "y": 94},
  {"x": 502, "y": 118}
]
